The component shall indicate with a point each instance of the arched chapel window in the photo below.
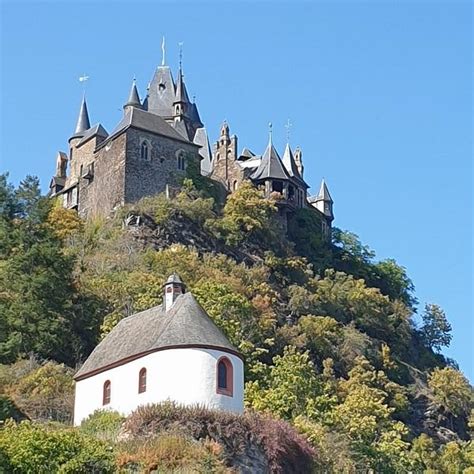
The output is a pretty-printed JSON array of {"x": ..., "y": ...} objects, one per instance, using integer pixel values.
[
  {"x": 106, "y": 392},
  {"x": 144, "y": 152},
  {"x": 142, "y": 381},
  {"x": 181, "y": 161},
  {"x": 225, "y": 377}
]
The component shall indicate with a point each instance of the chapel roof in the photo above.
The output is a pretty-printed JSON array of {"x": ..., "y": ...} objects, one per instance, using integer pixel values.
[{"x": 185, "y": 324}]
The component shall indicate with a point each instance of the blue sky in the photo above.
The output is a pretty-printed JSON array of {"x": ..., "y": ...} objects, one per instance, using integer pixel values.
[{"x": 379, "y": 94}]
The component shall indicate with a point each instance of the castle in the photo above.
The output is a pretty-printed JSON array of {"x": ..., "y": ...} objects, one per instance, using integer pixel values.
[{"x": 155, "y": 142}]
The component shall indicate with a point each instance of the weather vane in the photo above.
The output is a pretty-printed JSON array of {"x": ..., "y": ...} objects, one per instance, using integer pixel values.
[
  {"x": 163, "y": 51},
  {"x": 84, "y": 78},
  {"x": 288, "y": 126}
]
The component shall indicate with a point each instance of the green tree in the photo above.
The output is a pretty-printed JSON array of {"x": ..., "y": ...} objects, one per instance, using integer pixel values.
[
  {"x": 247, "y": 215},
  {"x": 451, "y": 390},
  {"x": 287, "y": 388},
  {"x": 436, "y": 330}
]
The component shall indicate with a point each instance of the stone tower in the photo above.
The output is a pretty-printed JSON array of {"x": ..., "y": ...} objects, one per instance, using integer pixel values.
[{"x": 225, "y": 154}]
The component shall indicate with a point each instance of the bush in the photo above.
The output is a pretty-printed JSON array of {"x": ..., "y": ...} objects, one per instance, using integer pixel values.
[
  {"x": 29, "y": 447},
  {"x": 171, "y": 453},
  {"x": 103, "y": 424},
  {"x": 282, "y": 447}
]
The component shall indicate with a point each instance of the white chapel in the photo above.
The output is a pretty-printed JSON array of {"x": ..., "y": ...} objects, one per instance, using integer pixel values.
[{"x": 173, "y": 351}]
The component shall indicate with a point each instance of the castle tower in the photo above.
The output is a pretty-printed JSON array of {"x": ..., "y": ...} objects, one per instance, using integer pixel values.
[
  {"x": 172, "y": 289},
  {"x": 225, "y": 154},
  {"x": 133, "y": 98},
  {"x": 83, "y": 124},
  {"x": 324, "y": 202}
]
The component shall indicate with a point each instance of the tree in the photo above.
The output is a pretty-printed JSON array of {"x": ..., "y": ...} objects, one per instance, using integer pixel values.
[
  {"x": 287, "y": 388},
  {"x": 451, "y": 390},
  {"x": 436, "y": 330},
  {"x": 247, "y": 214}
]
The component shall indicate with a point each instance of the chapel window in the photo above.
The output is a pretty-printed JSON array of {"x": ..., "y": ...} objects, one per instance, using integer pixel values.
[
  {"x": 142, "y": 381},
  {"x": 181, "y": 162},
  {"x": 144, "y": 152},
  {"x": 225, "y": 377},
  {"x": 106, "y": 393}
]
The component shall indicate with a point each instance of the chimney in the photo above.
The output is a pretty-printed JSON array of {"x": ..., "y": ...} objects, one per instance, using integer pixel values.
[{"x": 172, "y": 289}]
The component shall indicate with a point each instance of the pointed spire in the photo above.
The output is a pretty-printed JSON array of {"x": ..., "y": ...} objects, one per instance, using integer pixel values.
[
  {"x": 133, "y": 97},
  {"x": 323, "y": 194},
  {"x": 83, "y": 122},
  {"x": 289, "y": 162},
  {"x": 181, "y": 92},
  {"x": 299, "y": 160}
]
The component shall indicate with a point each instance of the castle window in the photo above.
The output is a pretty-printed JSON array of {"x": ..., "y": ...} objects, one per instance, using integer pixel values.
[
  {"x": 144, "y": 152},
  {"x": 142, "y": 381},
  {"x": 225, "y": 377},
  {"x": 106, "y": 393},
  {"x": 181, "y": 162},
  {"x": 217, "y": 157},
  {"x": 235, "y": 185},
  {"x": 277, "y": 186}
]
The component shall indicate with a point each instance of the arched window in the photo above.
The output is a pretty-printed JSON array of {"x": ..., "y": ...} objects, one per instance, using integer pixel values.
[
  {"x": 181, "y": 163},
  {"x": 225, "y": 377},
  {"x": 144, "y": 152},
  {"x": 235, "y": 185},
  {"x": 106, "y": 392},
  {"x": 142, "y": 380}
]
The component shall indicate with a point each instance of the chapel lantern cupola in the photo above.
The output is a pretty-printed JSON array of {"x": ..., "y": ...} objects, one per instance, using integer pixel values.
[{"x": 172, "y": 289}]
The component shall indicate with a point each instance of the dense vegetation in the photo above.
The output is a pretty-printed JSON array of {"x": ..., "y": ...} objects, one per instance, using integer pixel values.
[{"x": 327, "y": 332}]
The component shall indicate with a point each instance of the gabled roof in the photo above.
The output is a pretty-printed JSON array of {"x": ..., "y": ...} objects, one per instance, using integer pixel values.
[
  {"x": 149, "y": 122},
  {"x": 96, "y": 131},
  {"x": 161, "y": 95},
  {"x": 271, "y": 166},
  {"x": 185, "y": 324},
  {"x": 246, "y": 154}
]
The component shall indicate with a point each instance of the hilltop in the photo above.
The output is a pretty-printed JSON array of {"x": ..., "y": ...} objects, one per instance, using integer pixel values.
[{"x": 327, "y": 331}]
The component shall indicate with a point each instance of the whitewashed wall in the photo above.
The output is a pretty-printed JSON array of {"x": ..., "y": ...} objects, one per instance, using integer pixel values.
[{"x": 186, "y": 376}]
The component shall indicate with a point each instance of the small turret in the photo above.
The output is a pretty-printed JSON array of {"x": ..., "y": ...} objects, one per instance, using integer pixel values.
[
  {"x": 225, "y": 153},
  {"x": 324, "y": 202},
  {"x": 181, "y": 101},
  {"x": 172, "y": 289},
  {"x": 83, "y": 123},
  {"x": 133, "y": 98}
]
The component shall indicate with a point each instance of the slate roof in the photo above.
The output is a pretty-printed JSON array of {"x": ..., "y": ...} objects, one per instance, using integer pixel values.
[
  {"x": 181, "y": 92},
  {"x": 83, "y": 122},
  {"x": 161, "y": 95},
  {"x": 186, "y": 324},
  {"x": 323, "y": 194},
  {"x": 271, "y": 166},
  {"x": 201, "y": 139},
  {"x": 246, "y": 154},
  {"x": 133, "y": 97},
  {"x": 149, "y": 122},
  {"x": 97, "y": 130}
]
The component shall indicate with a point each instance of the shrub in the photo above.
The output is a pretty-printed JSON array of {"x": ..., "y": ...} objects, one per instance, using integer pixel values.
[
  {"x": 46, "y": 393},
  {"x": 281, "y": 446},
  {"x": 29, "y": 447},
  {"x": 103, "y": 424},
  {"x": 170, "y": 453}
]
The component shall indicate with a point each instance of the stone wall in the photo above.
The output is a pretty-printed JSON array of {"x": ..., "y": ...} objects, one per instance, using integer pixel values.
[
  {"x": 105, "y": 190},
  {"x": 149, "y": 177}
]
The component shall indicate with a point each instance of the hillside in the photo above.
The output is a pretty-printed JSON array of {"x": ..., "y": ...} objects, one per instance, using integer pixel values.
[{"x": 327, "y": 331}]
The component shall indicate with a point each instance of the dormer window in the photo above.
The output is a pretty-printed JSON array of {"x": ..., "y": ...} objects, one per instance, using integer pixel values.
[{"x": 225, "y": 377}]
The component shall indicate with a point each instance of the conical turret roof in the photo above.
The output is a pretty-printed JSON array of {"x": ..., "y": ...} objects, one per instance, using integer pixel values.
[
  {"x": 133, "y": 97},
  {"x": 289, "y": 162},
  {"x": 83, "y": 122},
  {"x": 181, "y": 92},
  {"x": 271, "y": 165}
]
